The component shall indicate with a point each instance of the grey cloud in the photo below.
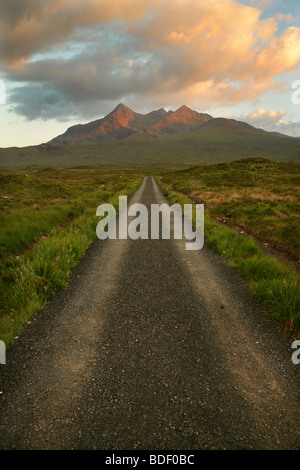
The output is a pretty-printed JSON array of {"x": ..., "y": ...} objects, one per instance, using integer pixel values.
[
  {"x": 12, "y": 11},
  {"x": 35, "y": 26},
  {"x": 94, "y": 77},
  {"x": 43, "y": 102},
  {"x": 289, "y": 128}
]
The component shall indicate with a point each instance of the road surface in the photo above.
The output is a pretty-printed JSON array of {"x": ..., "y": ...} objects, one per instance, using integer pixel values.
[{"x": 151, "y": 347}]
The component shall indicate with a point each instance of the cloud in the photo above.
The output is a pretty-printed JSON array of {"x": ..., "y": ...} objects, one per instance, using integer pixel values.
[
  {"x": 33, "y": 26},
  {"x": 272, "y": 121},
  {"x": 264, "y": 118},
  {"x": 289, "y": 128},
  {"x": 203, "y": 51}
]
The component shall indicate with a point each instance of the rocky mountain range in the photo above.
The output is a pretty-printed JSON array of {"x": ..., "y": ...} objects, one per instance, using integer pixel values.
[{"x": 122, "y": 123}]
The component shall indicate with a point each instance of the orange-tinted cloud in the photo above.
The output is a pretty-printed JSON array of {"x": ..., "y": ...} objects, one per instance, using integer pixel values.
[{"x": 213, "y": 51}]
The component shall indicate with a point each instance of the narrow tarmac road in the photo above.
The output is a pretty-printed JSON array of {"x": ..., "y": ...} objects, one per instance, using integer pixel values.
[{"x": 151, "y": 347}]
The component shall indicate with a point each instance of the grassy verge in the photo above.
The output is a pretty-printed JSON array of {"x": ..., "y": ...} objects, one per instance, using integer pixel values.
[
  {"x": 48, "y": 251},
  {"x": 256, "y": 195},
  {"x": 270, "y": 280}
]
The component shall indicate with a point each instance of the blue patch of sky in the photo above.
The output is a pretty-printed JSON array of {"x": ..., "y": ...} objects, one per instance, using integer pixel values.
[
  {"x": 278, "y": 6},
  {"x": 66, "y": 51},
  {"x": 84, "y": 40}
]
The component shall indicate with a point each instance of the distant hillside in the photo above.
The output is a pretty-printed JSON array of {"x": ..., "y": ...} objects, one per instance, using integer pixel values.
[
  {"x": 214, "y": 142},
  {"x": 162, "y": 138}
]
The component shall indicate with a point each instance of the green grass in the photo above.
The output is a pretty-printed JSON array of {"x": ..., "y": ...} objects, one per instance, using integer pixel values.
[
  {"x": 270, "y": 280},
  {"x": 48, "y": 250},
  {"x": 258, "y": 196},
  {"x": 48, "y": 221}
]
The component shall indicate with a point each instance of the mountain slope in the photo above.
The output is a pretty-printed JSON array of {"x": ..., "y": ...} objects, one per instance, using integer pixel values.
[
  {"x": 119, "y": 124},
  {"x": 122, "y": 122},
  {"x": 231, "y": 125},
  {"x": 182, "y": 120},
  {"x": 114, "y": 126},
  {"x": 181, "y": 138}
]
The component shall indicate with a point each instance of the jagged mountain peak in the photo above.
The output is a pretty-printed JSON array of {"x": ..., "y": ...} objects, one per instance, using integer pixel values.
[{"x": 123, "y": 122}]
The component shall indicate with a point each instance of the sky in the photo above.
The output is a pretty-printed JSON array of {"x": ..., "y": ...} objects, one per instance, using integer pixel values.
[{"x": 64, "y": 62}]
